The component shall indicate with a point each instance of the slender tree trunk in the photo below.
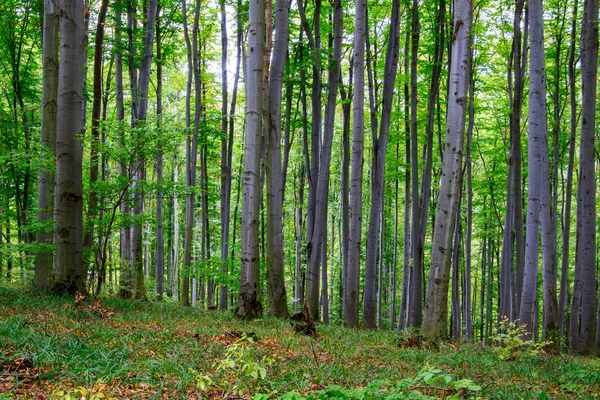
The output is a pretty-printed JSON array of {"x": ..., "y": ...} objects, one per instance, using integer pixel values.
[
  {"x": 345, "y": 183},
  {"x": 125, "y": 278},
  {"x": 249, "y": 305},
  {"x": 160, "y": 240},
  {"x": 322, "y": 184},
  {"x": 467, "y": 306},
  {"x": 564, "y": 276},
  {"x": 313, "y": 276},
  {"x": 191, "y": 157},
  {"x": 44, "y": 258},
  {"x": 88, "y": 240},
  {"x": 351, "y": 294},
  {"x": 549, "y": 273},
  {"x": 276, "y": 294},
  {"x": 380, "y": 152},
  {"x": 406, "y": 270},
  {"x": 436, "y": 303},
  {"x": 585, "y": 335},
  {"x": 70, "y": 273},
  {"x": 175, "y": 230},
  {"x": 415, "y": 306}
]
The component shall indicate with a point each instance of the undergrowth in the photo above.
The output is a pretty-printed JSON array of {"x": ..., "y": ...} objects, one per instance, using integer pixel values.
[{"x": 133, "y": 349}]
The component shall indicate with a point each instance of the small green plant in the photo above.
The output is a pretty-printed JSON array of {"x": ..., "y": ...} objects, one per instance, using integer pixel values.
[
  {"x": 237, "y": 371},
  {"x": 430, "y": 380},
  {"x": 511, "y": 343}
]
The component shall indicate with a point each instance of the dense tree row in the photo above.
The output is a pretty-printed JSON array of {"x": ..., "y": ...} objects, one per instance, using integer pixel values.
[{"x": 382, "y": 162}]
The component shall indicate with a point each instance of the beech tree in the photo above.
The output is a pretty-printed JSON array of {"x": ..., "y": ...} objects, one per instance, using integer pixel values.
[
  {"x": 582, "y": 330},
  {"x": 249, "y": 305},
  {"x": 43, "y": 263},
  {"x": 70, "y": 273},
  {"x": 436, "y": 300}
]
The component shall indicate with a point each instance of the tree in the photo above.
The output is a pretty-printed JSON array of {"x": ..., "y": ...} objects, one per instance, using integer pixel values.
[
  {"x": 276, "y": 293},
  {"x": 249, "y": 305},
  {"x": 351, "y": 289},
  {"x": 379, "y": 153},
  {"x": 537, "y": 136},
  {"x": 70, "y": 273},
  {"x": 43, "y": 263},
  {"x": 316, "y": 242},
  {"x": 436, "y": 300},
  {"x": 582, "y": 331}
]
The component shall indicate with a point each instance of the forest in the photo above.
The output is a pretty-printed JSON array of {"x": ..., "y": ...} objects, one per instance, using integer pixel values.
[{"x": 425, "y": 168}]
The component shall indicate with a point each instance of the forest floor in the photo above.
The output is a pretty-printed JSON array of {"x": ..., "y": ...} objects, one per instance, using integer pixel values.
[{"x": 62, "y": 348}]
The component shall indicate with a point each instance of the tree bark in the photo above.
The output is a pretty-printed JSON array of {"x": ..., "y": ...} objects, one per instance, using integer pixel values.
[
  {"x": 276, "y": 294},
  {"x": 249, "y": 305},
  {"x": 585, "y": 336},
  {"x": 351, "y": 294},
  {"x": 44, "y": 258},
  {"x": 380, "y": 152},
  {"x": 436, "y": 303},
  {"x": 322, "y": 183},
  {"x": 70, "y": 273}
]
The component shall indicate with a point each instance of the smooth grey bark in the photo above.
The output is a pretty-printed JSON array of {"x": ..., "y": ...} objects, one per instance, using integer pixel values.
[
  {"x": 456, "y": 309},
  {"x": 467, "y": 289},
  {"x": 160, "y": 235},
  {"x": 88, "y": 239},
  {"x": 175, "y": 281},
  {"x": 225, "y": 167},
  {"x": 351, "y": 291},
  {"x": 140, "y": 169},
  {"x": 313, "y": 276},
  {"x": 406, "y": 279},
  {"x": 379, "y": 153},
  {"x": 584, "y": 333},
  {"x": 511, "y": 281},
  {"x": 226, "y": 180},
  {"x": 70, "y": 273},
  {"x": 276, "y": 293},
  {"x": 298, "y": 270},
  {"x": 191, "y": 157},
  {"x": 44, "y": 258},
  {"x": 125, "y": 276},
  {"x": 415, "y": 297},
  {"x": 345, "y": 183},
  {"x": 315, "y": 246},
  {"x": 548, "y": 231},
  {"x": 249, "y": 305},
  {"x": 537, "y": 152},
  {"x": 563, "y": 303},
  {"x": 436, "y": 302}
]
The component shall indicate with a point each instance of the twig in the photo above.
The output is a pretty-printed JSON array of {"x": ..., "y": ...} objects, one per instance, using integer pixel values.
[
  {"x": 19, "y": 376},
  {"x": 312, "y": 346}
]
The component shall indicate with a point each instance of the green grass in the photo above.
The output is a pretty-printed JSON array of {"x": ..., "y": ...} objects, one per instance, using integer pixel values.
[{"x": 162, "y": 350}]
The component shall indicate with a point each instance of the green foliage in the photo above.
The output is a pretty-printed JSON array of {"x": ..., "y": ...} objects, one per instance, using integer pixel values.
[{"x": 511, "y": 343}]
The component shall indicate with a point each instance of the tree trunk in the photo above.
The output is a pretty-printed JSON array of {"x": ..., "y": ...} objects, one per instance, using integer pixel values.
[
  {"x": 44, "y": 258},
  {"x": 436, "y": 303},
  {"x": 351, "y": 294},
  {"x": 249, "y": 305},
  {"x": 585, "y": 336},
  {"x": 415, "y": 306},
  {"x": 276, "y": 294},
  {"x": 88, "y": 240},
  {"x": 380, "y": 152},
  {"x": 564, "y": 276},
  {"x": 322, "y": 183},
  {"x": 160, "y": 237},
  {"x": 190, "y": 164},
  {"x": 70, "y": 273}
]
